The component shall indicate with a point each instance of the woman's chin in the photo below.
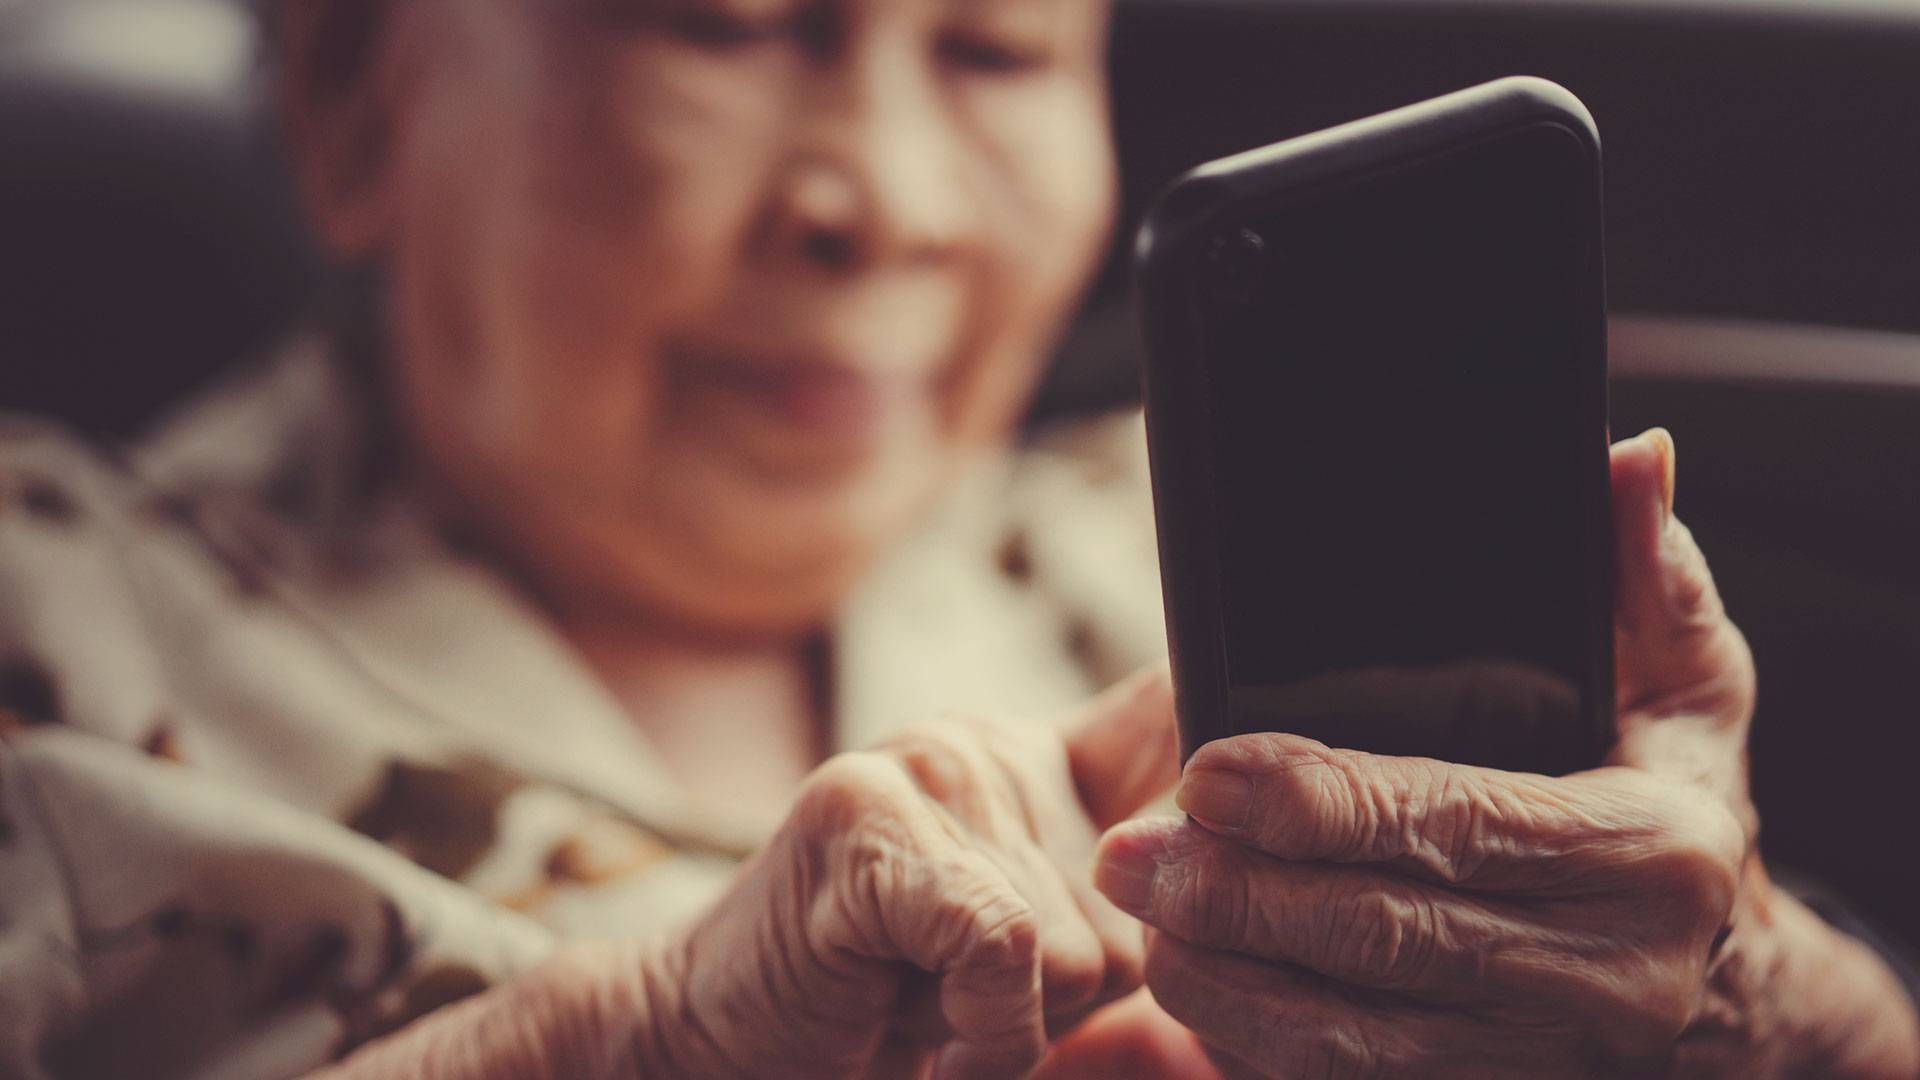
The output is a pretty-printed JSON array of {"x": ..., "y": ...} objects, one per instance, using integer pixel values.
[
  {"x": 735, "y": 558},
  {"x": 804, "y": 431},
  {"x": 703, "y": 599},
  {"x": 727, "y": 524},
  {"x": 775, "y": 503}
]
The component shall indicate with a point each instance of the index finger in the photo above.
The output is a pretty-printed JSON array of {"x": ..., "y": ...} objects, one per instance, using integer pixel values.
[
  {"x": 1456, "y": 824},
  {"x": 1124, "y": 749}
]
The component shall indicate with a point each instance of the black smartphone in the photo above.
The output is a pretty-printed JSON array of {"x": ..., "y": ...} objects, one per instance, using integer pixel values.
[{"x": 1376, "y": 409}]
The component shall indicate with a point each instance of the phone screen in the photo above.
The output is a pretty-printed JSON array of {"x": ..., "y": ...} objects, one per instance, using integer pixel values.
[{"x": 1403, "y": 429}]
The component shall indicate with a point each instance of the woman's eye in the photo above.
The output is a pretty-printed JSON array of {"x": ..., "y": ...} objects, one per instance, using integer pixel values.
[{"x": 986, "y": 55}]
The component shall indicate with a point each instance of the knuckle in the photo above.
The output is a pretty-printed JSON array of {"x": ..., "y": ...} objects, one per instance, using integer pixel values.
[
  {"x": 1375, "y": 809},
  {"x": 1706, "y": 882},
  {"x": 1669, "y": 1013},
  {"x": 1381, "y": 935},
  {"x": 863, "y": 894},
  {"x": 1447, "y": 817},
  {"x": 858, "y": 826},
  {"x": 1696, "y": 868},
  {"x": 870, "y": 898},
  {"x": 1662, "y": 1006},
  {"x": 1284, "y": 759},
  {"x": 1330, "y": 1052},
  {"x": 1376, "y": 821},
  {"x": 1655, "y": 1017},
  {"x": 844, "y": 790},
  {"x": 1007, "y": 933},
  {"x": 1314, "y": 799},
  {"x": 869, "y": 856},
  {"x": 934, "y": 761},
  {"x": 1207, "y": 899}
]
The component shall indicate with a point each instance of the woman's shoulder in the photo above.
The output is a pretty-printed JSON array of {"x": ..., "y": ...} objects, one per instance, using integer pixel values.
[
  {"x": 82, "y": 516},
  {"x": 70, "y": 506},
  {"x": 237, "y": 439},
  {"x": 86, "y": 544},
  {"x": 125, "y": 582}
]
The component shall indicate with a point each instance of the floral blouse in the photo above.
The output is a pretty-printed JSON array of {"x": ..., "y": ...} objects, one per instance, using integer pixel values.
[{"x": 283, "y": 768}]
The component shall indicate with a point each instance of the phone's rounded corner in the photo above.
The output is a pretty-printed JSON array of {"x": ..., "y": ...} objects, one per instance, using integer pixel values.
[
  {"x": 1182, "y": 211},
  {"x": 1553, "y": 102}
]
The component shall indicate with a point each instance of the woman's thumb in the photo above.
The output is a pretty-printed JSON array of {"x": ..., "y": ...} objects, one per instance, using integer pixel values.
[
  {"x": 1676, "y": 651},
  {"x": 1124, "y": 750}
]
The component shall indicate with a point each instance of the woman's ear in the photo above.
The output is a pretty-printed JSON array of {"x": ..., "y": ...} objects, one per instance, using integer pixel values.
[{"x": 340, "y": 103}]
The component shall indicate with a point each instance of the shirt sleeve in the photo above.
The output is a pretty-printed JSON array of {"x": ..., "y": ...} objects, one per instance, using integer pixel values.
[
  {"x": 158, "y": 922},
  {"x": 39, "y": 986},
  {"x": 160, "y": 914}
]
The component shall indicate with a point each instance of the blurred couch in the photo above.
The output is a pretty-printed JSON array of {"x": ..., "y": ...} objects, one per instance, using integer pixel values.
[{"x": 146, "y": 241}]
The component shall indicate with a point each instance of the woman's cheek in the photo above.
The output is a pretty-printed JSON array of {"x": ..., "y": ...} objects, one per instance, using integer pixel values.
[
  {"x": 1054, "y": 193},
  {"x": 699, "y": 139},
  {"x": 1047, "y": 139},
  {"x": 613, "y": 233},
  {"x": 1042, "y": 176}
]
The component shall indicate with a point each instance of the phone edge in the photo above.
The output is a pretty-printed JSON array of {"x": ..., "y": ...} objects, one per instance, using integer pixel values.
[{"x": 1186, "y": 212}]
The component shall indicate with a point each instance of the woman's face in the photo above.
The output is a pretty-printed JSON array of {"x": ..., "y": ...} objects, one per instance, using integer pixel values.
[{"x": 696, "y": 303}]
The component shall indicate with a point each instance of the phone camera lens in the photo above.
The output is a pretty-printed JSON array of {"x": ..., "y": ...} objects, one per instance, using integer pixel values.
[{"x": 1239, "y": 261}]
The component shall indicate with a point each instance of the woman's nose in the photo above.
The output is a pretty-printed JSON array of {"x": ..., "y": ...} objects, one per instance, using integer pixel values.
[{"x": 876, "y": 170}]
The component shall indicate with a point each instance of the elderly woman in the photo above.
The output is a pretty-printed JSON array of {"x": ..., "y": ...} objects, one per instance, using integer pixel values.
[{"x": 527, "y": 687}]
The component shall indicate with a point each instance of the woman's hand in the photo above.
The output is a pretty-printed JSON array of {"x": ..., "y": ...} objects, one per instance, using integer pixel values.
[
  {"x": 928, "y": 902},
  {"x": 928, "y": 897},
  {"x": 1330, "y": 913}
]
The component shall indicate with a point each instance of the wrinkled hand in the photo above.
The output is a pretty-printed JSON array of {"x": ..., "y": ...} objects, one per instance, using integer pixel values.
[
  {"x": 927, "y": 900},
  {"x": 1331, "y": 913},
  {"x": 928, "y": 903}
]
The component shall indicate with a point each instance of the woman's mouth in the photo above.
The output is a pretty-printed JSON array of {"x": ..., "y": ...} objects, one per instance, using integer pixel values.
[
  {"x": 810, "y": 405},
  {"x": 823, "y": 398}
]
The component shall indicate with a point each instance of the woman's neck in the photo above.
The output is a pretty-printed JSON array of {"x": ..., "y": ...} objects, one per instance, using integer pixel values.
[
  {"x": 739, "y": 719},
  {"x": 738, "y": 724}
]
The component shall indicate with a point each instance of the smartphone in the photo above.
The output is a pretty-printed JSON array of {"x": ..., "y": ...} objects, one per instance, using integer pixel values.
[{"x": 1377, "y": 421}]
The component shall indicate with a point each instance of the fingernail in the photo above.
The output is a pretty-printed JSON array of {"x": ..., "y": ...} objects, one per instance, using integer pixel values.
[
  {"x": 1124, "y": 875},
  {"x": 1220, "y": 798},
  {"x": 1663, "y": 445}
]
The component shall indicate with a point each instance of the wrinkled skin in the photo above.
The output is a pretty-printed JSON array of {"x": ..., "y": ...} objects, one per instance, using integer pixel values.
[
  {"x": 931, "y": 895},
  {"x": 1328, "y": 913},
  {"x": 928, "y": 904}
]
